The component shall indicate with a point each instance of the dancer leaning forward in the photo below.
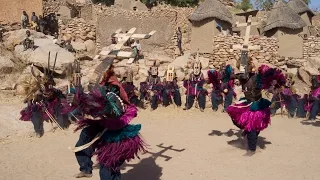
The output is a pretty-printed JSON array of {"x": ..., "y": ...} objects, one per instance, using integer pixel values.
[
  {"x": 252, "y": 113},
  {"x": 105, "y": 126}
]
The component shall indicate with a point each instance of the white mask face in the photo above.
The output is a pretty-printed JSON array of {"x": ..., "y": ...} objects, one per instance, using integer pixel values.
[
  {"x": 154, "y": 71},
  {"x": 197, "y": 68}
]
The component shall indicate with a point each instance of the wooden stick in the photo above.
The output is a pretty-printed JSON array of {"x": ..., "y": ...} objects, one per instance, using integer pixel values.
[{"x": 85, "y": 146}]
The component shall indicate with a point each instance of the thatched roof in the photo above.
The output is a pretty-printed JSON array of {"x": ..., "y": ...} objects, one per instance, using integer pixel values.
[
  {"x": 211, "y": 9},
  {"x": 299, "y": 6},
  {"x": 281, "y": 15}
]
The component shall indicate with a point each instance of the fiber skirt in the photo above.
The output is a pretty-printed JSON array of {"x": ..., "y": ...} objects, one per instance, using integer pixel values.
[
  {"x": 119, "y": 146},
  {"x": 251, "y": 115}
]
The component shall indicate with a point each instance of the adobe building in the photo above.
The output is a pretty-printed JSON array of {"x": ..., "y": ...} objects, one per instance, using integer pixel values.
[
  {"x": 300, "y": 7},
  {"x": 208, "y": 20},
  {"x": 11, "y": 10},
  {"x": 286, "y": 25}
]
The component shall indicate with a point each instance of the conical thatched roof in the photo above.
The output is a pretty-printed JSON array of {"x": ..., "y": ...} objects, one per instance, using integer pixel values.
[
  {"x": 281, "y": 15},
  {"x": 299, "y": 6},
  {"x": 210, "y": 9}
]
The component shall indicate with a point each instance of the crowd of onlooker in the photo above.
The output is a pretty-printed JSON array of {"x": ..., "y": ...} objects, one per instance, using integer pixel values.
[{"x": 46, "y": 24}]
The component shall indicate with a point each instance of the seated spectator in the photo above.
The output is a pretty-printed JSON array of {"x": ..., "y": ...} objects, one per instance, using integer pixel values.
[{"x": 28, "y": 42}]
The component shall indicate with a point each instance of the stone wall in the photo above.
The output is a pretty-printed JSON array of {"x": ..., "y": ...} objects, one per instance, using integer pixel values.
[
  {"x": 163, "y": 19},
  {"x": 52, "y": 6},
  {"x": 78, "y": 29},
  {"x": 11, "y": 10},
  {"x": 311, "y": 47}
]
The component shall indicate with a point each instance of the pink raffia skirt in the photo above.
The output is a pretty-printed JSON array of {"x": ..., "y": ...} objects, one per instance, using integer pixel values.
[{"x": 250, "y": 116}]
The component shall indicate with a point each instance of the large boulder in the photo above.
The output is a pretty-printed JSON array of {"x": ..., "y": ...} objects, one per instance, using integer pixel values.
[
  {"x": 6, "y": 64},
  {"x": 181, "y": 61},
  {"x": 40, "y": 54},
  {"x": 90, "y": 46},
  {"x": 16, "y": 37},
  {"x": 162, "y": 59},
  {"x": 204, "y": 62},
  {"x": 78, "y": 46}
]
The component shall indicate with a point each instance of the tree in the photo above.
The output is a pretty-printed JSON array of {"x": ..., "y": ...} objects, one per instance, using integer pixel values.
[
  {"x": 264, "y": 4},
  {"x": 268, "y": 4},
  {"x": 244, "y": 5},
  {"x": 307, "y": 1}
]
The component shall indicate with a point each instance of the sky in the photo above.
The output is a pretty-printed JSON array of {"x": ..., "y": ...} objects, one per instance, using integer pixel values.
[{"x": 314, "y": 3}]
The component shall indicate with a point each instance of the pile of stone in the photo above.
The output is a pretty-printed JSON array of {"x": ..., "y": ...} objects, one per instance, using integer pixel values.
[{"x": 78, "y": 29}]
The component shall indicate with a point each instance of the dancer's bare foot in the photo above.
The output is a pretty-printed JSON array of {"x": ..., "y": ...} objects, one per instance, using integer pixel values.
[
  {"x": 83, "y": 174},
  {"x": 249, "y": 153}
]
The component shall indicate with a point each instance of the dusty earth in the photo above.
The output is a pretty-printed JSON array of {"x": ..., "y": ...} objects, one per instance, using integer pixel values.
[{"x": 184, "y": 145}]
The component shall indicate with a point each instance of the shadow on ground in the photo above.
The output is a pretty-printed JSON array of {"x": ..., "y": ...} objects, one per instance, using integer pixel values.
[
  {"x": 240, "y": 142},
  {"x": 312, "y": 123},
  {"x": 147, "y": 168}
]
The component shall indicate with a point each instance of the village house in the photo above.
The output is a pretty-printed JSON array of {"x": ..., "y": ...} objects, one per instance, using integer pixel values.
[
  {"x": 286, "y": 25},
  {"x": 300, "y": 7},
  {"x": 211, "y": 18}
]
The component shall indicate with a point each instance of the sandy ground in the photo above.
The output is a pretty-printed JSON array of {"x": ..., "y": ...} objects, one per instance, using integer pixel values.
[{"x": 184, "y": 145}]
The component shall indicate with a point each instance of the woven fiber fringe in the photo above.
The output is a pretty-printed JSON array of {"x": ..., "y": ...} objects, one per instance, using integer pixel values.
[
  {"x": 248, "y": 120},
  {"x": 109, "y": 154}
]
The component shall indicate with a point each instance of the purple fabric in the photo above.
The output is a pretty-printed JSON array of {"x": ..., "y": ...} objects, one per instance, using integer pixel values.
[
  {"x": 268, "y": 75},
  {"x": 287, "y": 92},
  {"x": 316, "y": 92},
  {"x": 248, "y": 120},
  {"x": 191, "y": 87},
  {"x": 111, "y": 124},
  {"x": 129, "y": 88},
  {"x": 308, "y": 106},
  {"x": 109, "y": 154},
  {"x": 214, "y": 78},
  {"x": 26, "y": 114}
]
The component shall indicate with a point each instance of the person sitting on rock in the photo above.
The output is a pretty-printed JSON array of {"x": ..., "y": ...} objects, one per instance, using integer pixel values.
[
  {"x": 68, "y": 46},
  {"x": 28, "y": 42}
]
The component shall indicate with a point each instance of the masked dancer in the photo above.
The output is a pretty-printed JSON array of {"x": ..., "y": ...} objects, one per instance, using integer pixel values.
[
  {"x": 152, "y": 88},
  {"x": 194, "y": 88},
  {"x": 106, "y": 131},
  {"x": 252, "y": 113},
  {"x": 171, "y": 88},
  {"x": 313, "y": 105},
  {"x": 43, "y": 101}
]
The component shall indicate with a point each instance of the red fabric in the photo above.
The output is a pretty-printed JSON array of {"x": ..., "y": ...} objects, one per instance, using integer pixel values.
[
  {"x": 114, "y": 81},
  {"x": 318, "y": 77}
]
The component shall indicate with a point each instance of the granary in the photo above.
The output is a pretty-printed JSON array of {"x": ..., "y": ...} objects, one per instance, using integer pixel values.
[
  {"x": 11, "y": 10},
  {"x": 208, "y": 20},
  {"x": 285, "y": 24},
  {"x": 300, "y": 7}
]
